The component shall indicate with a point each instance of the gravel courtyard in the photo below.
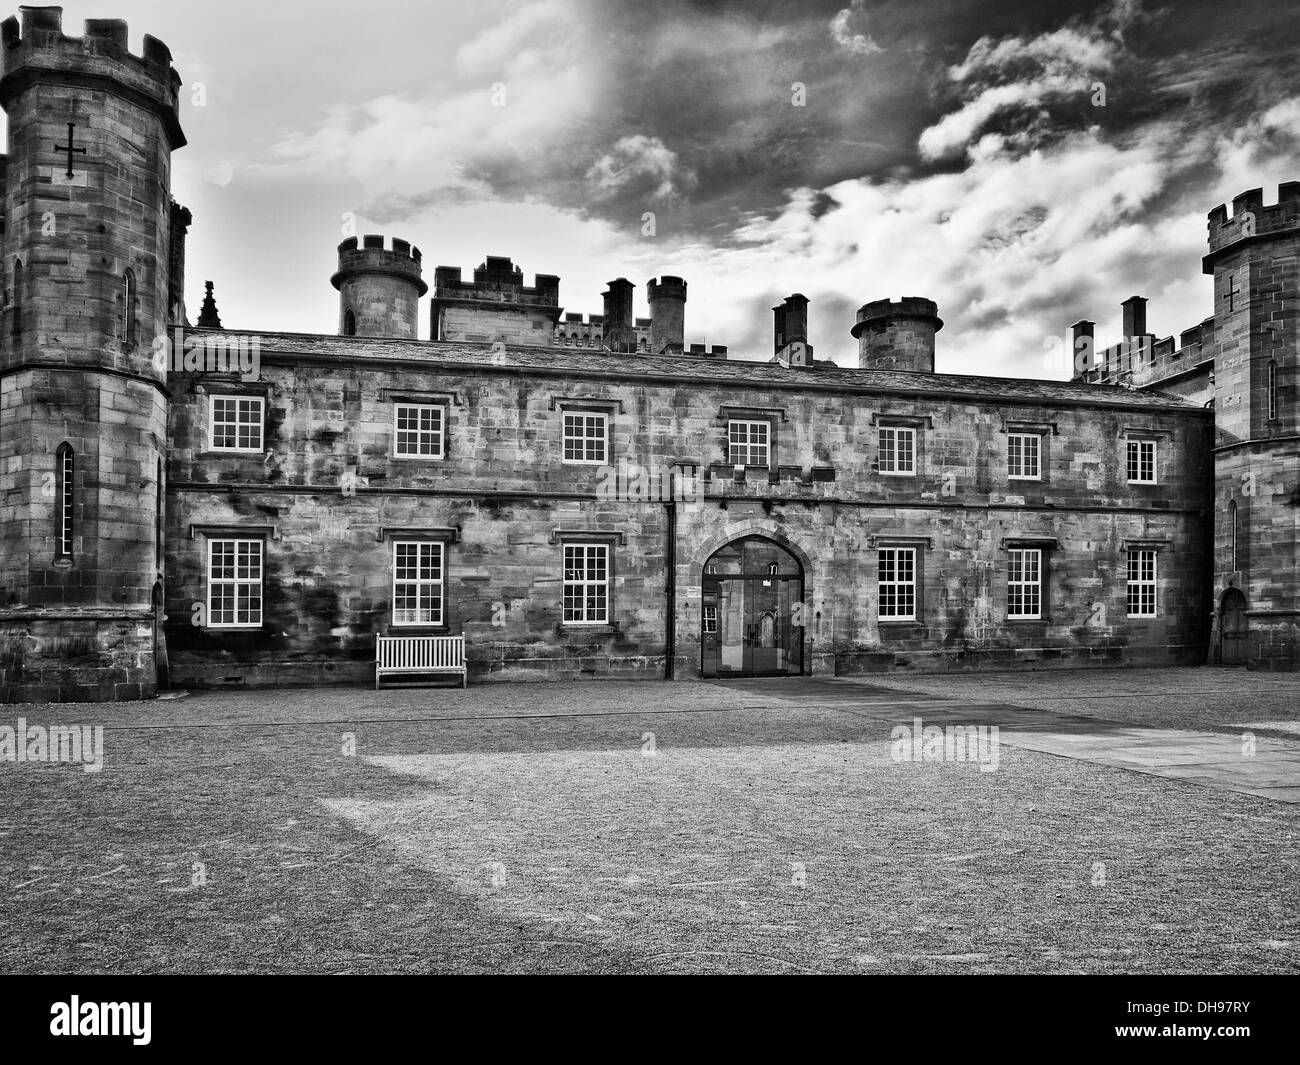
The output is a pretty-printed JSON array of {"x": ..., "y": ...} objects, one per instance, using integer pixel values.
[{"x": 651, "y": 827}]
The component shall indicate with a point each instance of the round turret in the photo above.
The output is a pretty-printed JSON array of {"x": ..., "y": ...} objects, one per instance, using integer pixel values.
[
  {"x": 379, "y": 288},
  {"x": 667, "y": 298},
  {"x": 897, "y": 335}
]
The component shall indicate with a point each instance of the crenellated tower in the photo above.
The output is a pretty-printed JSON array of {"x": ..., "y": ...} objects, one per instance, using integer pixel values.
[
  {"x": 1254, "y": 257},
  {"x": 379, "y": 288},
  {"x": 88, "y": 293},
  {"x": 897, "y": 335}
]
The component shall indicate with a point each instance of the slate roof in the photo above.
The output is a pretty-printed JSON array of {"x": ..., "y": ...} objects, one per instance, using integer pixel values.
[{"x": 685, "y": 369}]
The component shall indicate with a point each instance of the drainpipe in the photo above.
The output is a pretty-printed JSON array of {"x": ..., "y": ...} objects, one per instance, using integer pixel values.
[{"x": 670, "y": 592}]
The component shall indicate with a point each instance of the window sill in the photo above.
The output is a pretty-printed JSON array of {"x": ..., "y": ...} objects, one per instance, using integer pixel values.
[
  {"x": 597, "y": 628},
  {"x": 418, "y": 630},
  {"x": 217, "y": 452}
]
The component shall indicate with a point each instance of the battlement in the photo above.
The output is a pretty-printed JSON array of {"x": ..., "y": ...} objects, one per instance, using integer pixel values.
[
  {"x": 907, "y": 307},
  {"x": 37, "y": 51},
  {"x": 1144, "y": 360},
  {"x": 1251, "y": 220},
  {"x": 377, "y": 256},
  {"x": 496, "y": 280},
  {"x": 666, "y": 287}
]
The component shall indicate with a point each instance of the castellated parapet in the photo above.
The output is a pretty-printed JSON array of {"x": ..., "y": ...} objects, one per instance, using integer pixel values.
[
  {"x": 897, "y": 335},
  {"x": 39, "y": 52},
  {"x": 379, "y": 288},
  {"x": 1251, "y": 220},
  {"x": 496, "y": 305}
]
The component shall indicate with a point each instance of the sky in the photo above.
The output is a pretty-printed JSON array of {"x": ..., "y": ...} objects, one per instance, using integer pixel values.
[{"x": 1023, "y": 164}]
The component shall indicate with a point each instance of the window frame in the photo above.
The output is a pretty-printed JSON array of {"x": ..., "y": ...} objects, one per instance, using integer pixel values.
[
  {"x": 567, "y": 412},
  {"x": 235, "y": 582},
  {"x": 894, "y": 471},
  {"x": 1037, "y": 583},
  {"x": 748, "y": 444},
  {"x": 1037, "y": 438},
  {"x": 128, "y": 321},
  {"x": 65, "y": 478},
  {"x": 419, "y": 582},
  {"x": 441, "y": 409},
  {"x": 1142, "y": 583},
  {"x": 895, "y": 551},
  {"x": 1137, "y": 444},
  {"x": 237, "y": 397},
  {"x": 607, "y": 583},
  {"x": 709, "y": 619}
]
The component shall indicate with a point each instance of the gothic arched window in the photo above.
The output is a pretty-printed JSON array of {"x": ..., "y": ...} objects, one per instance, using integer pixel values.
[
  {"x": 128, "y": 309},
  {"x": 349, "y": 324},
  {"x": 63, "y": 486},
  {"x": 1232, "y": 533},
  {"x": 16, "y": 326}
]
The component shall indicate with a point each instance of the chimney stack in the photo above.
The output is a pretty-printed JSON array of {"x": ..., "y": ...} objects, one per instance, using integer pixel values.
[
  {"x": 1135, "y": 317},
  {"x": 1083, "y": 350},
  {"x": 667, "y": 314},
  {"x": 790, "y": 331},
  {"x": 618, "y": 332}
]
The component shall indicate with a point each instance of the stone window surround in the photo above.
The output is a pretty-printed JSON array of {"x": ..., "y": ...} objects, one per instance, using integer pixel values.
[
  {"x": 1045, "y": 545},
  {"x": 918, "y": 423},
  {"x": 390, "y": 534},
  {"x": 588, "y": 405},
  {"x": 733, "y": 412},
  {"x": 1157, "y": 437},
  {"x": 441, "y": 406},
  {"x": 260, "y": 534},
  {"x": 234, "y": 389},
  {"x": 611, "y": 540},
  {"x": 449, "y": 401},
  {"x": 919, "y": 545},
  {"x": 1044, "y": 431}
]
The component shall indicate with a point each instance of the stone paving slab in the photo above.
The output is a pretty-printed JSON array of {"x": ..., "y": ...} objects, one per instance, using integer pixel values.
[{"x": 1207, "y": 759}]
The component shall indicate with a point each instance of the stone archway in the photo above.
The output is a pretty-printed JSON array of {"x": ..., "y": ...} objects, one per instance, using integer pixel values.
[{"x": 752, "y": 610}]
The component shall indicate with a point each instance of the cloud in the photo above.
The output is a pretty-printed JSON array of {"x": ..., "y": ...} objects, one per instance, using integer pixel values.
[
  {"x": 640, "y": 162},
  {"x": 1021, "y": 76},
  {"x": 519, "y": 89},
  {"x": 857, "y": 43}
]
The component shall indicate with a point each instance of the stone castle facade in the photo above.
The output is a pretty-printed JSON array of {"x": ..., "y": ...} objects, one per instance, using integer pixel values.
[{"x": 586, "y": 496}]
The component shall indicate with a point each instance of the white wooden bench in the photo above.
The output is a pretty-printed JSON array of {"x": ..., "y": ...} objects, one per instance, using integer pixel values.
[{"x": 398, "y": 655}]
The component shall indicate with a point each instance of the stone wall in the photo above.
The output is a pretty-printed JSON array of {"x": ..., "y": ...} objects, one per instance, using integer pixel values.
[{"x": 329, "y": 498}]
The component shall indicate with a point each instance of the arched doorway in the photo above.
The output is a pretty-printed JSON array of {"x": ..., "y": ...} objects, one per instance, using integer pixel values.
[
  {"x": 1232, "y": 628},
  {"x": 751, "y": 622}
]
